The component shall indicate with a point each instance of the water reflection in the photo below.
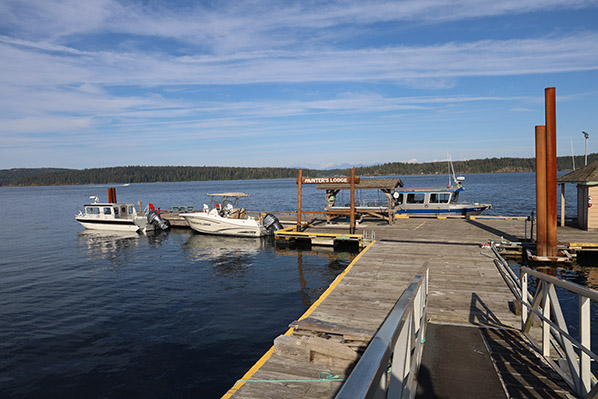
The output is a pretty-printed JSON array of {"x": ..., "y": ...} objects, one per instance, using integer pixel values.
[
  {"x": 117, "y": 247},
  {"x": 585, "y": 276},
  {"x": 104, "y": 242},
  {"x": 229, "y": 255},
  {"x": 337, "y": 261}
]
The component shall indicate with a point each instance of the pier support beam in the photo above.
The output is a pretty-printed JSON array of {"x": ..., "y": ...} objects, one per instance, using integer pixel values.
[
  {"x": 541, "y": 190},
  {"x": 551, "y": 185}
]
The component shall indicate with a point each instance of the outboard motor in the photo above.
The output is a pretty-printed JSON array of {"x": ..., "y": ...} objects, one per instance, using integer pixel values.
[
  {"x": 271, "y": 223},
  {"x": 154, "y": 218}
]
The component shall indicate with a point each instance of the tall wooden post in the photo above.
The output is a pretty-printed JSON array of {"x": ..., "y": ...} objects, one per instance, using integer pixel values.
[
  {"x": 551, "y": 185},
  {"x": 352, "y": 225},
  {"x": 541, "y": 190},
  {"x": 299, "y": 183},
  {"x": 562, "y": 204}
]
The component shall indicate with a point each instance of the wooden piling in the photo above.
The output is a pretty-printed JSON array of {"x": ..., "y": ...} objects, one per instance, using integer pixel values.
[
  {"x": 541, "y": 190},
  {"x": 551, "y": 185}
]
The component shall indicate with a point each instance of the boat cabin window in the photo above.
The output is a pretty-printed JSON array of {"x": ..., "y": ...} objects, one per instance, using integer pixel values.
[
  {"x": 116, "y": 211},
  {"x": 92, "y": 211},
  {"x": 440, "y": 198},
  {"x": 123, "y": 210},
  {"x": 107, "y": 211},
  {"x": 131, "y": 210},
  {"x": 416, "y": 198}
]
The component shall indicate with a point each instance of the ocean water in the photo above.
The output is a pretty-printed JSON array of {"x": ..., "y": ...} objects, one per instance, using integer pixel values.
[{"x": 174, "y": 314}]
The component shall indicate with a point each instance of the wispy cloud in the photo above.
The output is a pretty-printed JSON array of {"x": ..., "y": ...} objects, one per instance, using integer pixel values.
[
  {"x": 219, "y": 23},
  {"x": 84, "y": 71},
  {"x": 398, "y": 64}
]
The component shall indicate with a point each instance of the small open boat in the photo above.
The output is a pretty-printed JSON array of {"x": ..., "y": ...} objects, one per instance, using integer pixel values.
[{"x": 224, "y": 217}]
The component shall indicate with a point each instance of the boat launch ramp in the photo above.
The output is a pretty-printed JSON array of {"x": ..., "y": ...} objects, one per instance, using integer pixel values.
[{"x": 426, "y": 310}]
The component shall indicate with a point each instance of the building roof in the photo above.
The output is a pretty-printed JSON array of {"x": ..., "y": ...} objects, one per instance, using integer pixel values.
[
  {"x": 365, "y": 184},
  {"x": 586, "y": 175}
]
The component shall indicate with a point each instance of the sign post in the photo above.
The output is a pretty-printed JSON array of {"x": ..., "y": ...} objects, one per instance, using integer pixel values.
[{"x": 352, "y": 180}]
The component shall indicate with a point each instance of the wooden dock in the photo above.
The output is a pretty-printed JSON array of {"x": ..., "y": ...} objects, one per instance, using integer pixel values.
[{"x": 467, "y": 297}]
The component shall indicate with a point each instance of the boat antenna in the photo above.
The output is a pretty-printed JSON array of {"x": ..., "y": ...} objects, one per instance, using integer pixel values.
[{"x": 452, "y": 172}]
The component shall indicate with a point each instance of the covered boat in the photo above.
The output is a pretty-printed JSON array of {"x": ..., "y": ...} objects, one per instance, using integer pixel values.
[
  {"x": 119, "y": 217},
  {"x": 434, "y": 202}
]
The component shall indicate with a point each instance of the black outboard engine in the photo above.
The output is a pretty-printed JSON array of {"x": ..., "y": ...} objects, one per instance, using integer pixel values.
[
  {"x": 154, "y": 218},
  {"x": 271, "y": 223}
]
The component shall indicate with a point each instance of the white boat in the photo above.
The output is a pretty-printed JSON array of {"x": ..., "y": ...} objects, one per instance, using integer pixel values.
[
  {"x": 226, "y": 218},
  {"x": 437, "y": 201},
  {"x": 434, "y": 202},
  {"x": 118, "y": 217}
]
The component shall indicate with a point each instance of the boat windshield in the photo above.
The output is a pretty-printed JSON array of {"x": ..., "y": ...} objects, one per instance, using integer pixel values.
[{"x": 92, "y": 210}]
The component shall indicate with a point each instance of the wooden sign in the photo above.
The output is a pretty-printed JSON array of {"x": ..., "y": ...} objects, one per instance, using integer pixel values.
[{"x": 328, "y": 180}]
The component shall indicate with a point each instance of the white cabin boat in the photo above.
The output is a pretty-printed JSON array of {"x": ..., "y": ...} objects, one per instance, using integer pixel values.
[
  {"x": 434, "y": 202},
  {"x": 226, "y": 218},
  {"x": 118, "y": 217}
]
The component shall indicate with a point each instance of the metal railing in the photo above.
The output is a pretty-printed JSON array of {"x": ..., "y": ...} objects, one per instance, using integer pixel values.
[
  {"x": 572, "y": 360},
  {"x": 545, "y": 305},
  {"x": 390, "y": 363}
]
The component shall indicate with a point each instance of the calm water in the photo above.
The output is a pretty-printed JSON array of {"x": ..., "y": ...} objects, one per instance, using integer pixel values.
[{"x": 171, "y": 315}]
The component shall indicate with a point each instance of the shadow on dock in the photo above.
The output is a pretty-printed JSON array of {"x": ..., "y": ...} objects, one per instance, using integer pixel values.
[{"x": 493, "y": 230}]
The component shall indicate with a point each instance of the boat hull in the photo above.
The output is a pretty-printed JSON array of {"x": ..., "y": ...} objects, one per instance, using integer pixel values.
[
  {"x": 206, "y": 224},
  {"x": 465, "y": 210},
  {"x": 109, "y": 225}
]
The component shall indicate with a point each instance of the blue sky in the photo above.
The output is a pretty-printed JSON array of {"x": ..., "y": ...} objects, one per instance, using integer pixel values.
[{"x": 291, "y": 83}]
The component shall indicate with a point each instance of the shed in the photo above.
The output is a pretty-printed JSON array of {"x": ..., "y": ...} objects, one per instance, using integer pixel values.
[
  {"x": 386, "y": 185},
  {"x": 586, "y": 179}
]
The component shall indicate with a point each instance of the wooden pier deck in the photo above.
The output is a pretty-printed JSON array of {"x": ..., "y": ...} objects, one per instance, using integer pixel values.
[{"x": 467, "y": 295}]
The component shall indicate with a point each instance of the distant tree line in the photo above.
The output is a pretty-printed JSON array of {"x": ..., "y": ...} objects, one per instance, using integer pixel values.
[
  {"x": 148, "y": 174},
  {"x": 488, "y": 165}
]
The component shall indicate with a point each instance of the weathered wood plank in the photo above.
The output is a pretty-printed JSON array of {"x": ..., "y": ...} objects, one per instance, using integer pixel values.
[{"x": 465, "y": 289}]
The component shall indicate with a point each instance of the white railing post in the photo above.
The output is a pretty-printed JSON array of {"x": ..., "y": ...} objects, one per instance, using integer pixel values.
[
  {"x": 546, "y": 325},
  {"x": 524, "y": 301},
  {"x": 584, "y": 335}
]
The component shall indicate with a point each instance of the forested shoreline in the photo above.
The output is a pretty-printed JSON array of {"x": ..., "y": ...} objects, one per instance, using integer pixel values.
[{"x": 149, "y": 174}]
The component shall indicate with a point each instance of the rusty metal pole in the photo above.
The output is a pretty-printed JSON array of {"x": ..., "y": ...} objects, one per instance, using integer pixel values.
[
  {"x": 551, "y": 185},
  {"x": 299, "y": 193},
  {"x": 112, "y": 195},
  {"x": 541, "y": 190},
  {"x": 352, "y": 225}
]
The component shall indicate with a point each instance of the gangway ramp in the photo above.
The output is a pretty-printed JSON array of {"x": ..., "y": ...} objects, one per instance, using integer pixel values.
[{"x": 466, "y": 291}]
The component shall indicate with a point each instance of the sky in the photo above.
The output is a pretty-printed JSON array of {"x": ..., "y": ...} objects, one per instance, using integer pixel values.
[{"x": 312, "y": 84}]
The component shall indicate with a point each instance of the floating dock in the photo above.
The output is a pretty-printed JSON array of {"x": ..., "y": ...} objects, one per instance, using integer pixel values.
[{"x": 474, "y": 346}]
